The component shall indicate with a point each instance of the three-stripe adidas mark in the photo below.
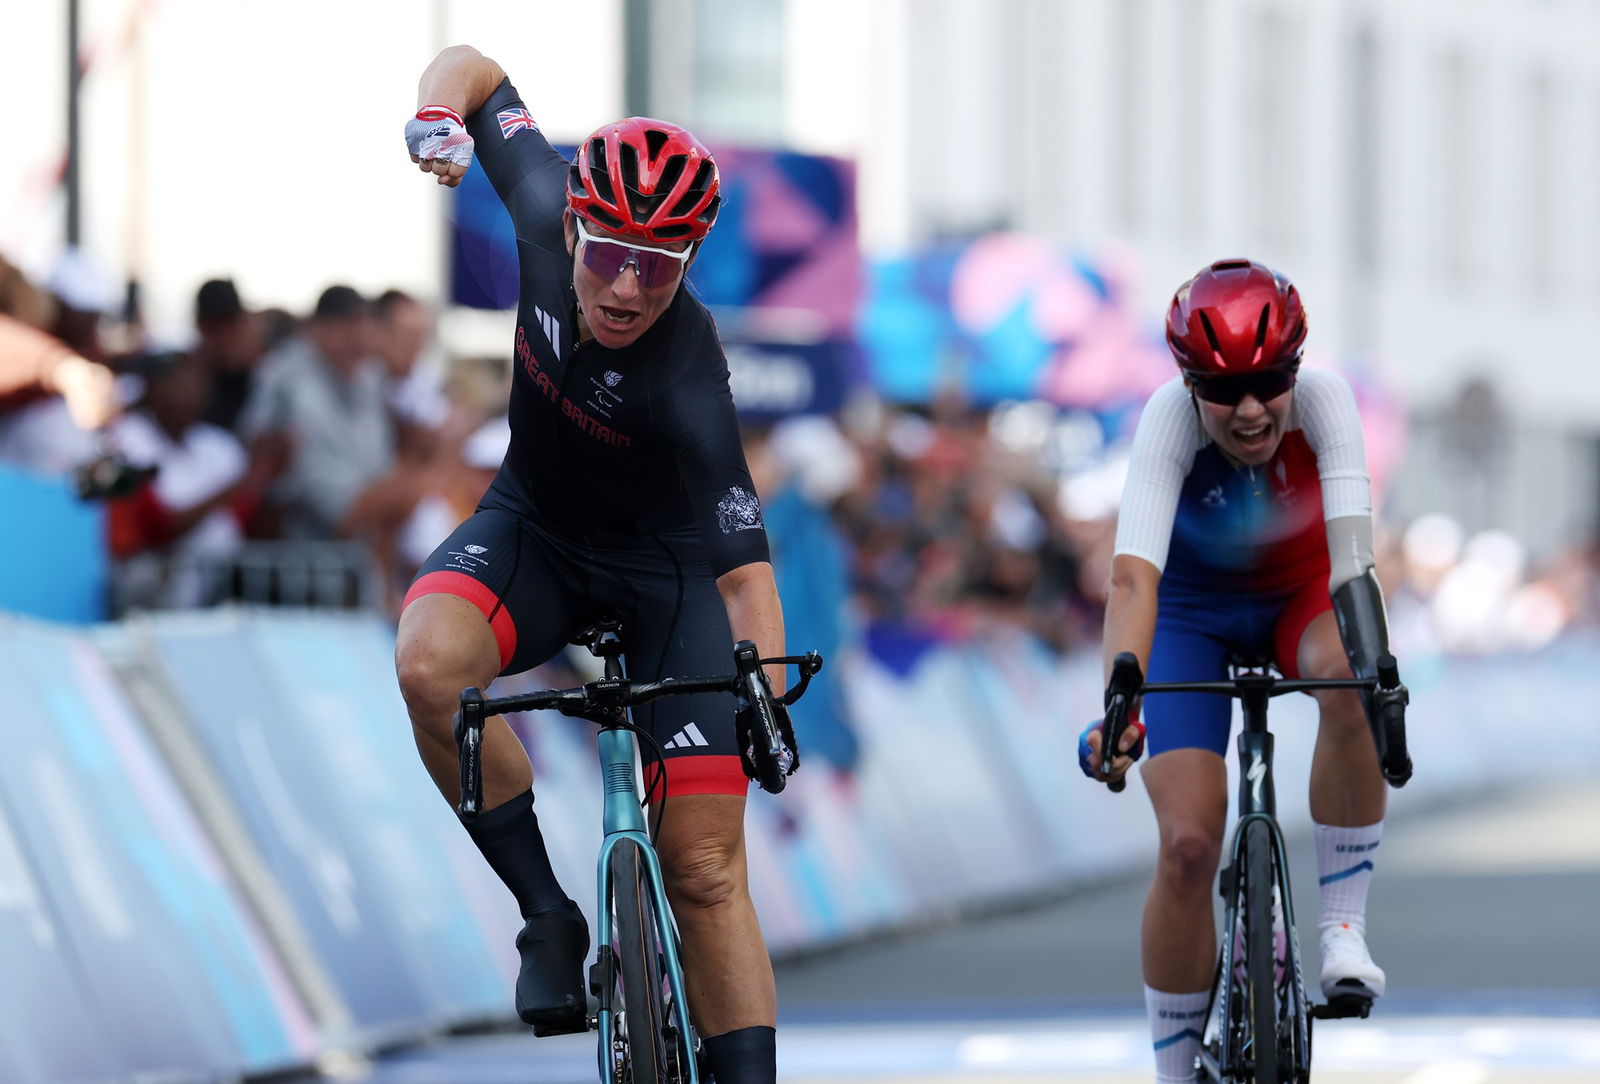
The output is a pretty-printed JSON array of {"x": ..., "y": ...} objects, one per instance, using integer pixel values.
[
  {"x": 687, "y": 738},
  {"x": 552, "y": 329}
]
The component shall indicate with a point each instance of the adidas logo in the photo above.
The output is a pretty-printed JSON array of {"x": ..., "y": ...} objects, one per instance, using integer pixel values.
[
  {"x": 552, "y": 329},
  {"x": 687, "y": 738}
]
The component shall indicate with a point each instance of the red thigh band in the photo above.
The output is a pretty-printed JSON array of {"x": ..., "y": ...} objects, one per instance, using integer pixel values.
[
  {"x": 699, "y": 775},
  {"x": 445, "y": 582}
]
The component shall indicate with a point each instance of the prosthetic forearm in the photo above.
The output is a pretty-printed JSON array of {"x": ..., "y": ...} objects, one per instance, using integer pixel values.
[{"x": 1363, "y": 625}]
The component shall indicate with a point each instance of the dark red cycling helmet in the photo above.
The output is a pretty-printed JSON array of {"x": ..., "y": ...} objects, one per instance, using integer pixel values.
[
  {"x": 645, "y": 177},
  {"x": 1236, "y": 316}
]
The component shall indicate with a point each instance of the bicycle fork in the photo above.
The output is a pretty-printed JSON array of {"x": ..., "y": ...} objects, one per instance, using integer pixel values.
[
  {"x": 1257, "y": 803},
  {"x": 624, "y": 820}
]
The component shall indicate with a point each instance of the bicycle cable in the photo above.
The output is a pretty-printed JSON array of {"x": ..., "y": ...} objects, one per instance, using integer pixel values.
[{"x": 661, "y": 663}]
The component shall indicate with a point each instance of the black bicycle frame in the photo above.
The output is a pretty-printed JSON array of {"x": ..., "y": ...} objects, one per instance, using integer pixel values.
[{"x": 1254, "y": 688}]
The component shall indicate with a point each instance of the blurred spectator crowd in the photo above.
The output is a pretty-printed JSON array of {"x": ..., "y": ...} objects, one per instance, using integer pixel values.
[
  {"x": 272, "y": 457},
  {"x": 318, "y": 458}
]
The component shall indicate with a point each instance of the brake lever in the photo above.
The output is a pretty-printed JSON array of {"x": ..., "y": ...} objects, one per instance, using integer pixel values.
[
  {"x": 469, "y": 745},
  {"x": 1389, "y": 701},
  {"x": 1126, "y": 680},
  {"x": 1116, "y": 722},
  {"x": 757, "y": 695}
]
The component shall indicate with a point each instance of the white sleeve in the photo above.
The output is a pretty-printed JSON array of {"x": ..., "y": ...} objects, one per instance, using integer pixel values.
[
  {"x": 1327, "y": 413},
  {"x": 1163, "y": 454}
]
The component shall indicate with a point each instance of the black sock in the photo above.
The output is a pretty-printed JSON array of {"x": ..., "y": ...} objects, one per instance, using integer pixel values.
[
  {"x": 746, "y": 1056},
  {"x": 509, "y": 837}
]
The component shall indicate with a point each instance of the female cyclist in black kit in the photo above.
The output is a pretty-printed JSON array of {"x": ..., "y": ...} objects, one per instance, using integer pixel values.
[{"x": 624, "y": 491}]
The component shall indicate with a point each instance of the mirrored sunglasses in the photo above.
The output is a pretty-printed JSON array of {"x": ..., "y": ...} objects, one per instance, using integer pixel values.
[
  {"x": 1264, "y": 386},
  {"x": 608, "y": 257}
]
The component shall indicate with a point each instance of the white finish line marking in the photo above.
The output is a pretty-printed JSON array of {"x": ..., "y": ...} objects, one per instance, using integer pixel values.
[
  {"x": 1451, "y": 1072},
  {"x": 1420, "y": 1050}
]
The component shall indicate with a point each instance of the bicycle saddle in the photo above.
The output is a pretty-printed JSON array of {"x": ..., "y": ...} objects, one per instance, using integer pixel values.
[{"x": 591, "y": 635}]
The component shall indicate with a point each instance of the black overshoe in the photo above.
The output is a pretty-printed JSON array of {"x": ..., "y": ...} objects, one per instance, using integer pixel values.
[{"x": 550, "y": 992}]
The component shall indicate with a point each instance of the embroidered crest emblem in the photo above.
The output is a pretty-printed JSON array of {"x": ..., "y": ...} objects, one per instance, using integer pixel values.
[
  {"x": 475, "y": 550},
  {"x": 740, "y": 510},
  {"x": 612, "y": 378}
]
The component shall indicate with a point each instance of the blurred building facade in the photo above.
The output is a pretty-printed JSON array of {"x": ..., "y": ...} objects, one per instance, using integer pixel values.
[{"x": 1425, "y": 171}]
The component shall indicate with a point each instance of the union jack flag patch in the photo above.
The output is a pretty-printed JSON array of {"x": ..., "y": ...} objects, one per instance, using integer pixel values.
[{"x": 513, "y": 121}]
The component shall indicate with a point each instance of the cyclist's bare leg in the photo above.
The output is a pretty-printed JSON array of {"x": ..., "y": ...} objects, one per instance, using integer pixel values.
[
  {"x": 1346, "y": 786},
  {"x": 1189, "y": 790},
  {"x": 443, "y": 646},
  {"x": 725, "y": 962}
]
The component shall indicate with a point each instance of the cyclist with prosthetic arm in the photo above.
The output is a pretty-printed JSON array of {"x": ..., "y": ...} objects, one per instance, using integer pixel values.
[
  {"x": 624, "y": 491},
  {"x": 1245, "y": 527}
]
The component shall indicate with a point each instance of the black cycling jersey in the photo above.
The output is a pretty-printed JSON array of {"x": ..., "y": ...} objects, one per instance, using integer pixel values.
[{"x": 608, "y": 444}]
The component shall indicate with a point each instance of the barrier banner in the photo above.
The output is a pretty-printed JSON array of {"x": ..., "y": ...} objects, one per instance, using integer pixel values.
[
  {"x": 131, "y": 949},
  {"x": 304, "y": 723}
]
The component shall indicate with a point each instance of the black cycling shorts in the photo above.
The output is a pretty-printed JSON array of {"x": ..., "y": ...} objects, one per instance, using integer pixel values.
[{"x": 537, "y": 590}]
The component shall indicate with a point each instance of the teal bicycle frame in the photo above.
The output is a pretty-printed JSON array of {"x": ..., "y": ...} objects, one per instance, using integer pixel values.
[
  {"x": 623, "y": 819},
  {"x": 607, "y": 702}
]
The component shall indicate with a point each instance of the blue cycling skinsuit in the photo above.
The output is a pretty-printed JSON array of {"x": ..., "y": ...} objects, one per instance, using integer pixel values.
[{"x": 1243, "y": 551}]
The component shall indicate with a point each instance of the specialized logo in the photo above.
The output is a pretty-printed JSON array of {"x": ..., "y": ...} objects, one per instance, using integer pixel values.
[
  {"x": 1258, "y": 775},
  {"x": 475, "y": 550},
  {"x": 612, "y": 378},
  {"x": 687, "y": 738},
  {"x": 740, "y": 510},
  {"x": 513, "y": 121}
]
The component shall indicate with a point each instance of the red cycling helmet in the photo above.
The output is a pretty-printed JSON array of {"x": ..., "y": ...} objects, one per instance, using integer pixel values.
[
  {"x": 1236, "y": 316},
  {"x": 645, "y": 177}
]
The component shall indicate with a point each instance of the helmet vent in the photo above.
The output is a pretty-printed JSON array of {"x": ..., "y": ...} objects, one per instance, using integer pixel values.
[
  {"x": 654, "y": 140},
  {"x": 695, "y": 192},
  {"x": 599, "y": 178},
  {"x": 1211, "y": 333},
  {"x": 1261, "y": 326},
  {"x": 670, "y": 174},
  {"x": 1231, "y": 265}
]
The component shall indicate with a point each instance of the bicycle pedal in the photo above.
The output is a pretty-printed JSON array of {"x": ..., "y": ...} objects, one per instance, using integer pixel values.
[
  {"x": 1348, "y": 1007},
  {"x": 576, "y": 1024}
]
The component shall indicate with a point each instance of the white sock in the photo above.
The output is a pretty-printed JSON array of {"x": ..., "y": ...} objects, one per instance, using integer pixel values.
[
  {"x": 1345, "y": 857},
  {"x": 1176, "y": 1024}
]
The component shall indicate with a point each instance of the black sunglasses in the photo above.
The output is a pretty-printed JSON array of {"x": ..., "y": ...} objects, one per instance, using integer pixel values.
[{"x": 1264, "y": 385}]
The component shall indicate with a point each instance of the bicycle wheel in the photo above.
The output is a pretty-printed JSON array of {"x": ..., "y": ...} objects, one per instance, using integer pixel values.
[
  {"x": 1261, "y": 980},
  {"x": 642, "y": 1027}
]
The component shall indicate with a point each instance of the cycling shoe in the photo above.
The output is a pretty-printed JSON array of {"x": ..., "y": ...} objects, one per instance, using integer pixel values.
[
  {"x": 1347, "y": 967},
  {"x": 550, "y": 992}
]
